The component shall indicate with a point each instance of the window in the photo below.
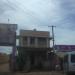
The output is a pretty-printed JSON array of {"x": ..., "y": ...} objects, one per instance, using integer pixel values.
[
  {"x": 42, "y": 41},
  {"x": 73, "y": 58},
  {"x": 32, "y": 40},
  {"x": 25, "y": 40}
]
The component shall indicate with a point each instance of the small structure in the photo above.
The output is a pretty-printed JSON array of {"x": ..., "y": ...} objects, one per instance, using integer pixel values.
[{"x": 62, "y": 49}]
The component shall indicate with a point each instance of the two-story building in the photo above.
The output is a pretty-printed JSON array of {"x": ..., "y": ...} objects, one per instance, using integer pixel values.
[
  {"x": 33, "y": 47},
  {"x": 33, "y": 38}
]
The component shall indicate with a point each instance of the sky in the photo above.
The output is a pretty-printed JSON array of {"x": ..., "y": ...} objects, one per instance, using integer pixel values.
[{"x": 39, "y": 14}]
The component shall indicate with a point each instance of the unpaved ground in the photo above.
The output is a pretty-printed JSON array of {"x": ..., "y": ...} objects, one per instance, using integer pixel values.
[
  {"x": 4, "y": 70},
  {"x": 32, "y": 73},
  {"x": 4, "y": 67},
  {"x": 40, "y": 73}
]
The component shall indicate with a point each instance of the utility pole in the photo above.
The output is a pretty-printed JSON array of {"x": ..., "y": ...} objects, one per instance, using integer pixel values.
[
  {"x": 53, "y": 39},
  {"x": 53, "y": 35}
]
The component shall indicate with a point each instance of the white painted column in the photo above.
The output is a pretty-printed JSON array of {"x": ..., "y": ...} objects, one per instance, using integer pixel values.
[
  {"x": 36, "y": 42},
  {"x": 28, "y": 41},
  {"x": 48, "y": 42},
  {"x": 21, "y": 42}
]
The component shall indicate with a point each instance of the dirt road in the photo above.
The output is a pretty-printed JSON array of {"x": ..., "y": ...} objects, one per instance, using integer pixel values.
[
  {"x": 40, "y": 73},
  {"x": 4, "y": 70},
  {"x": 32, "y": 73},
  {"x": 4, "y": 67}
]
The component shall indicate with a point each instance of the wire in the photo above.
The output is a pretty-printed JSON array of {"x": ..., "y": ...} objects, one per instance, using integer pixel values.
[
  {"x": 24, "y": 10},
  {"x": 7, "y": 4},
  {"x": 14, "y": 7}
]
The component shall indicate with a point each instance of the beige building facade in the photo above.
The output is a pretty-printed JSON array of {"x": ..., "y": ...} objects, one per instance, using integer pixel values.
[{"x": 35, "y": 39}]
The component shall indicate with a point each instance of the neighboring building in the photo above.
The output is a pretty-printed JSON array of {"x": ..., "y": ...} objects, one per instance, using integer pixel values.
[
  {"x": 62, "y": 49},
  {"x": 65, "y": 48},
  {"x": 33, "y": 38}
]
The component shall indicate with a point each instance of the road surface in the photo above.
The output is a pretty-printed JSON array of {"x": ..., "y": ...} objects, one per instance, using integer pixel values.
[
  {"x": 4, "y": 70},
  {"x": 40, "y": 73},
  {"x": 4, "y": 67}
]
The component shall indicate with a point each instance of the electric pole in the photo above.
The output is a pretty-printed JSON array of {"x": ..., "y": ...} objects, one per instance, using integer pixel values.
[{"x": 53, "y": 35}]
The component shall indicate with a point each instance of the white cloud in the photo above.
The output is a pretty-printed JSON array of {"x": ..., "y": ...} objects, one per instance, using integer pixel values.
[
  {"x": 5, "y": 49},
  {"x": 65, "y": 36},
  {"x": 30, "y": 14}
]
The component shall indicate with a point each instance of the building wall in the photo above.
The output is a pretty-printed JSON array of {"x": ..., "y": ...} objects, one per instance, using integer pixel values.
[
  {"x": 30, "y": 38},
  {"x": 33, "y": 33},
  {"x": 3, "y": 58}
]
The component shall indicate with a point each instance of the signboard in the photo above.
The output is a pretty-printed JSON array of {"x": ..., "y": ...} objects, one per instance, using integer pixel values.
[
  {"x": 65, "y": 48},
  {"x": 7, "y": 34}
]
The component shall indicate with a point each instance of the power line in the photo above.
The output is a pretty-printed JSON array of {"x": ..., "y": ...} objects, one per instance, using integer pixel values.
[
  {"x": 15, "y": 6},
  {"x": 9, "y": 5},
  {"x": 26, "y": 10}
]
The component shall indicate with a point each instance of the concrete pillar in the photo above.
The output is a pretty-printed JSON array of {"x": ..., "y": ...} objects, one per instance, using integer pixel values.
[
  {"x": 48, "y": 42},
  {"x": 28, "y": 41},
  {"x": 36, "y": 42},
  {"x": 21, "y": 41}
]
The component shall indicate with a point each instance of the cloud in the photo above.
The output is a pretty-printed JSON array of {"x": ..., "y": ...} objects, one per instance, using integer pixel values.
[
  {"x": 5, "y": 6},
  {"x": 30, "y": 14},
  {"x": 5, "y": 49},
  {"x": 64, "y": 36},
  {"x": 67, "y": 9},
  {"x": 42, "y": 12}
]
